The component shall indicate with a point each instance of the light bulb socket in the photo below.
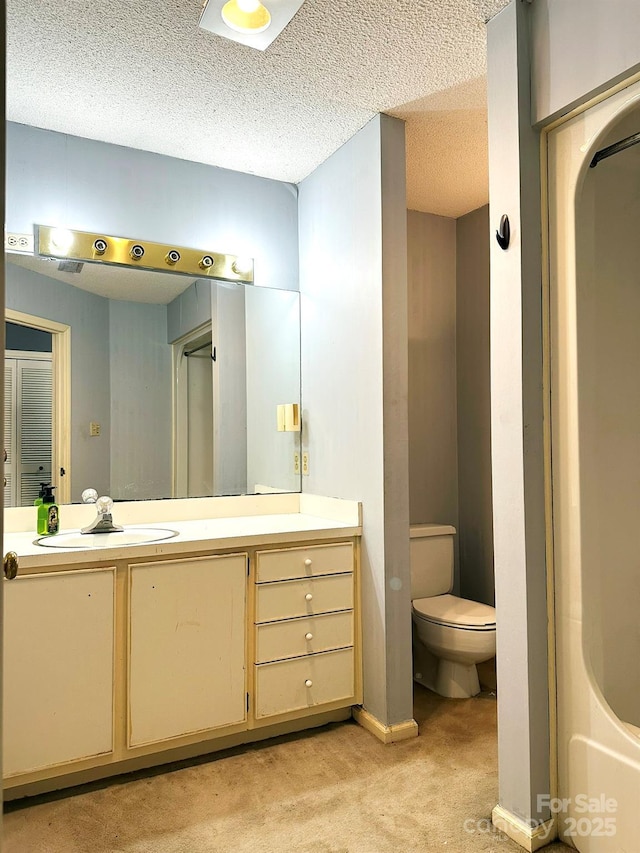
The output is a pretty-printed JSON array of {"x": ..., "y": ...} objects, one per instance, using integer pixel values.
[
  {"x": 100, "y": 246},
  {"x": 172, "y": 257},
  {"x": 136, "y": 252},
  {"x": 206, "y": 262}
]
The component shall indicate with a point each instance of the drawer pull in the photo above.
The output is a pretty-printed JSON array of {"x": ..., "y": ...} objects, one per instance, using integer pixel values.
[
  {"x": 308, "y": 683},
  {"x": 307, "y": 562},
  {"x": 308, "y": 636},
  {"x": 309, "y": 597}
]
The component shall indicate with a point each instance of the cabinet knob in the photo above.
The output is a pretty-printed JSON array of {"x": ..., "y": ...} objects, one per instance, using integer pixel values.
[
  {"x": 308, "y": 636},
  {"x": 10, "y": 565},
  {"x": 307, "y": 562},
  {"x": 309, "y": 597},
  {"x": 308, "y": 683}
]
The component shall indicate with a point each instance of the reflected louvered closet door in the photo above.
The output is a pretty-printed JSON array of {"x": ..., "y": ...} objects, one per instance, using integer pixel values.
[
  {"x": 10, "y": 369},
  {"x": 34, "y": 428},
  {"x": 28, "y": 413}
]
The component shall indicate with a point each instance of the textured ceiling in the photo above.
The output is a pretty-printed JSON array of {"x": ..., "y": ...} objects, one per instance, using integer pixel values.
[
  {"x": 112, "y": 282},
  {"x": 143, "y": 74}
]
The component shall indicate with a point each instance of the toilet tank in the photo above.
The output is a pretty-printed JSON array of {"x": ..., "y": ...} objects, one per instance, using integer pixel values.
[{"x": 431, "y": 555}]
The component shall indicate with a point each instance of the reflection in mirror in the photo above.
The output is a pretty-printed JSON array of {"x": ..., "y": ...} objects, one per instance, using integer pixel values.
[
  {"x": 173, "y": 383},
  {"x": 28, "y": 413}
]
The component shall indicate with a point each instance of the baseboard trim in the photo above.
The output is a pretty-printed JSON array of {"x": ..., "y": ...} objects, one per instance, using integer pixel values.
[
  {"x": 387, "y": 734},
  {"x": 531, "y": 838}
]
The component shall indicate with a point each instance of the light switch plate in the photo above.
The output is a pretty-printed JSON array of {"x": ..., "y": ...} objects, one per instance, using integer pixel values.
[{"x": 305, "y": 464}]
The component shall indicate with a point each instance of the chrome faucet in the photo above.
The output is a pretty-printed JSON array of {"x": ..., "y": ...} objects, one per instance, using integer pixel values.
[{"x": 103, "y": 522}]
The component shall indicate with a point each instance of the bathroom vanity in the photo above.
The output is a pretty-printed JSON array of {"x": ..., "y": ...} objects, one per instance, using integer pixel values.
[{"x": 241, "y": 627}]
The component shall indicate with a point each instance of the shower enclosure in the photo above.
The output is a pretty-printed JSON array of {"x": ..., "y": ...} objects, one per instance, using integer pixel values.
[{"x": 594, "y": 358}]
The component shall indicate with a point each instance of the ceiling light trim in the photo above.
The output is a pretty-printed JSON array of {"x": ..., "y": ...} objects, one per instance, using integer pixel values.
[{"x": 281, "y": 12}]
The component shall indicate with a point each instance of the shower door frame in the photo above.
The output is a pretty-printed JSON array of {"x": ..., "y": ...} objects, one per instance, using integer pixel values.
[{"x": 586, "y": 734}]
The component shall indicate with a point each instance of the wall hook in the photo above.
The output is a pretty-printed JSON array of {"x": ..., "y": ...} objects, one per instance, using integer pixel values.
[{"x": 503, "y": 234}]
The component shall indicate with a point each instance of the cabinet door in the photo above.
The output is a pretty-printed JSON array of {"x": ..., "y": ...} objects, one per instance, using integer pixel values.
[
  {"x": 186, "y": 647},
  {"x": 58, "y": 668}
]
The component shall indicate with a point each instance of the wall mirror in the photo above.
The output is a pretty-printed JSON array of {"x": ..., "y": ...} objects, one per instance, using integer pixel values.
[{"x": 146, "y": 385}]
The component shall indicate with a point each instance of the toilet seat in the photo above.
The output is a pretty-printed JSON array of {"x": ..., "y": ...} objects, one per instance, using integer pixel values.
[{"x": 454, "y": 612}]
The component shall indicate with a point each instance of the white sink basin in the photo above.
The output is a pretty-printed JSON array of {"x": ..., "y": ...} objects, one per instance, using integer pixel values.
[{"x": 129, "y": 536}]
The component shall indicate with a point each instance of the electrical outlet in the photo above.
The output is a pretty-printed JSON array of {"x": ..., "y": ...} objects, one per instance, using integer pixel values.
[
  {"x": 94, "y": 428},
  {"x": 305, "y": 464},
  {"x": 296, "y": 462},
  {"x": 18, "y": 242}
]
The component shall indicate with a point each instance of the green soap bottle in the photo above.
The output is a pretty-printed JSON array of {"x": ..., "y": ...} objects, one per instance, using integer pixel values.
[{"x": 48, "y": 513}]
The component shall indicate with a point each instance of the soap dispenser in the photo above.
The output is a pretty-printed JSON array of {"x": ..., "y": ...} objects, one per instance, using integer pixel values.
[{"x": 48, "y": 513}]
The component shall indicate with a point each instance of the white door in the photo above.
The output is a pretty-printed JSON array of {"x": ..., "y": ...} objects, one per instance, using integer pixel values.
[{"x": 27, "y": 423}]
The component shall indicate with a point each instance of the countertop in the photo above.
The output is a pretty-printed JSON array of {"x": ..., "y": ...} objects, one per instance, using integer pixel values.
[{"x": 211, "y": 534}]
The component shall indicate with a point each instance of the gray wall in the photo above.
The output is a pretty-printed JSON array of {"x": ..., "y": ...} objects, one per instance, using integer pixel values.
[
  {"x": 273, "y": 377},
  {"x": 189, "y": 310},
  {"x": 433, "y": 472},
  {"x": 140, "y": 360},
  {"x": 475, "y": 517},
  {"x": 88, "y": 316},
  {"x": 354, "y": 381},
  {"x": 517, "y": 423},
  {"x": 580, "y": 48},
  {"x": 449, "y": 388},
  {"x": 229, "y": 390},
  {"x": 56, "y": 179}
]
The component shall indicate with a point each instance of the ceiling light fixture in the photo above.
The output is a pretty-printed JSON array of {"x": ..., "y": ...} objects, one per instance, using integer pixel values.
[{"x": 249, "y": 22}]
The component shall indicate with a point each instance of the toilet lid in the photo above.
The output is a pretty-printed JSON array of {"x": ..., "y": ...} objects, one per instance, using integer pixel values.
[{"x": 454, "y": 611}]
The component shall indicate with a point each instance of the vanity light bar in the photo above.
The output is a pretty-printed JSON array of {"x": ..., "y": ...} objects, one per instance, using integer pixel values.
[{"x": 105, "y": 249}]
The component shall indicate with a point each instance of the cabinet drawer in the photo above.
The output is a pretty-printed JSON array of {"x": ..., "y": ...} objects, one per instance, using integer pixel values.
[
  {"x": 295, "y": 637},
  {"x": 304, "y": 682},
  {"x": 288, "y": 599},
  {"x": 304, "y": 562}
]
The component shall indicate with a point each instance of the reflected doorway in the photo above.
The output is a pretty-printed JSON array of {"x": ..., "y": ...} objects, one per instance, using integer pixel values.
[
  {"x": 27, "y": 413},
  {"x": 37, "y": 407},
  {"x": 193, "y": 435}
]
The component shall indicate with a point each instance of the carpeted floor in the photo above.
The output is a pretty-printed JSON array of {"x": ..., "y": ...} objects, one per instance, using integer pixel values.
[{"x": 332, "y": 790}]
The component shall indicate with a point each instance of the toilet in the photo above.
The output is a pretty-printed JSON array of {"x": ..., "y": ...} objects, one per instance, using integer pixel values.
[{"x": 450, "y": 634}]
